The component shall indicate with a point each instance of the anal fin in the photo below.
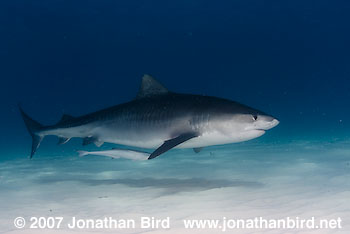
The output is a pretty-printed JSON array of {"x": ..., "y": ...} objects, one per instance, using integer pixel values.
[
  {"x": 95, "y": 140},
  {"x": 98, "y": 143}
]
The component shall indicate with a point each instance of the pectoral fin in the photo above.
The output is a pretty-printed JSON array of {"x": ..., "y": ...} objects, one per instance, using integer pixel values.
[{"x": 169, "y": 144}]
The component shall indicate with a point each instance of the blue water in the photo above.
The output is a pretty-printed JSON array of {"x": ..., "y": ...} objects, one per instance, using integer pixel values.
[{"x": 287, "y": 58}]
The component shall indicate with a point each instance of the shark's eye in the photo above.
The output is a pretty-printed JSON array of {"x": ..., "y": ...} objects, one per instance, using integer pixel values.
[{"x": 255, "y": 117}]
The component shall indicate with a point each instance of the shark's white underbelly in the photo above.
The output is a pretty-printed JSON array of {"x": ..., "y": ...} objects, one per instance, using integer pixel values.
[
  {"x": 151, "y": 137},
  {"x": 156, "y": 138}
]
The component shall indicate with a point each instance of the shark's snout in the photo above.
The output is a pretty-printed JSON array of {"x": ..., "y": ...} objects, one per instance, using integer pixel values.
[
  {"x": 265, "y": 122},
  {"x": 272, "y": 124}
]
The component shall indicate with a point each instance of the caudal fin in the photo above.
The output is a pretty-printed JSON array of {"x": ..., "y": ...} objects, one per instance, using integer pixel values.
[{"x": 33, "y": 129}]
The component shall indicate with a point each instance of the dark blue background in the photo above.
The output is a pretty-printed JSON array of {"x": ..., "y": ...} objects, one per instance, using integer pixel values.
[{"x": 287, "y": 58}]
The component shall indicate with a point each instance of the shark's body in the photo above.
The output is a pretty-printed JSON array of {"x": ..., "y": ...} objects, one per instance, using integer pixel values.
[{"x": 162, "y": 120}]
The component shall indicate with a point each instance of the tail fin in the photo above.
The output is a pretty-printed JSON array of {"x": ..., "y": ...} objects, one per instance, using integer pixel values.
[
  {"x": 33, "y": 129},
  {"x": 82, "y": 153}
]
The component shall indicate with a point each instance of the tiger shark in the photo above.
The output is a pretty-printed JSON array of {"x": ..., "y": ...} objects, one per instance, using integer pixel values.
[{"x": 159, "y": 119}]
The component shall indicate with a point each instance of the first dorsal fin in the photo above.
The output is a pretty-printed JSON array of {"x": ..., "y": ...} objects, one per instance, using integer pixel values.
[
  {"x": 150, "y": 87},
  {"x": 66, "y": 117}
]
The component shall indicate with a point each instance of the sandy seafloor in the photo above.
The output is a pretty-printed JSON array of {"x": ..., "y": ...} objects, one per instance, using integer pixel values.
[{"x": 296, "y": 179}]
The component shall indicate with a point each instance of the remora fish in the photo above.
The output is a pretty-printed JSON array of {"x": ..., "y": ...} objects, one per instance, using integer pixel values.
[
  {"x": 160, "y": 119},
  {"x": 118, "y": 153}
]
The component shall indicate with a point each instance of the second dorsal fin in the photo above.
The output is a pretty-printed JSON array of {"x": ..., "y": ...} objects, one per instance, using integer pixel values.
[
  {"x": 150, "y": 87},
  {"x": 65, "y": 118}
]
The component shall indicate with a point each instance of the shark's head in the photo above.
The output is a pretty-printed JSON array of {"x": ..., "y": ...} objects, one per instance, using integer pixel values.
[
  {"x": 251, "y": 123},
  {"x": 256, "y": 121},
  {"x": 239, "y": 123}
]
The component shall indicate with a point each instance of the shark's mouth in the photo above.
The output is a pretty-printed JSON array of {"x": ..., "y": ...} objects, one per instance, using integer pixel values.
[
  {"x": 262, "y": 131},
  {"x": 256, "y": 132}
]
